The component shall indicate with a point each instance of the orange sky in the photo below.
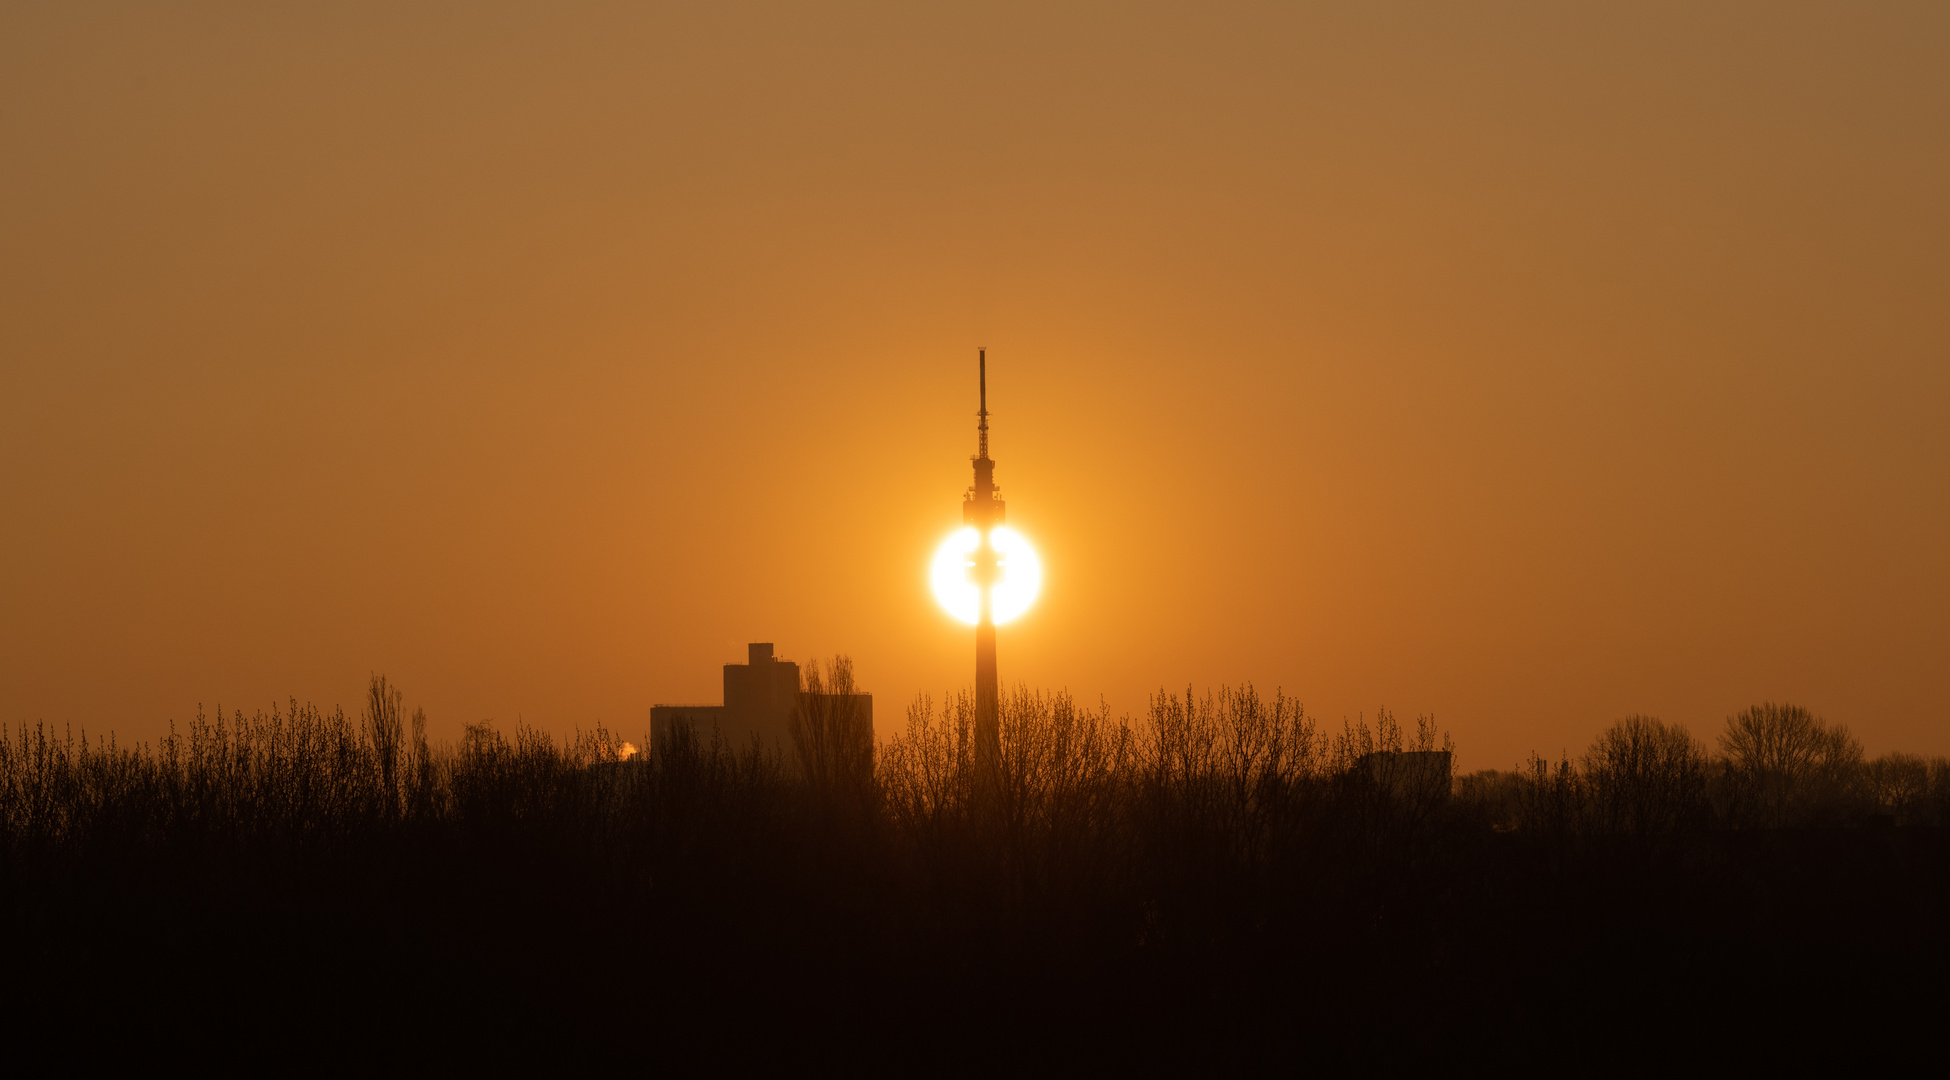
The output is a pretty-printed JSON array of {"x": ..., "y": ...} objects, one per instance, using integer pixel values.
[{"x": 1523, "y": 365}]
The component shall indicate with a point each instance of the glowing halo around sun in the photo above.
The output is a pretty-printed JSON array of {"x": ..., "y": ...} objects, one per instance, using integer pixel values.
[{"x": 1019, "y": 574}]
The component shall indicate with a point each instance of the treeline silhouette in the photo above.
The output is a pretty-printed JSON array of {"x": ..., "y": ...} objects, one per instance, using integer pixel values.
[
  {"x": 1777, "y": 766},
  {"x": 1222, "y": 879}
]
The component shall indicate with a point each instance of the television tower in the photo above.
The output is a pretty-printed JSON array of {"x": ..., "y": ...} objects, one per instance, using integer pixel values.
[{"x": 983, "y": 510}]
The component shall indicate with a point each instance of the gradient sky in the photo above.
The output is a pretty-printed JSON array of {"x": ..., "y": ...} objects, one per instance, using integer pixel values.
[{"x": 1527, "y": 364}]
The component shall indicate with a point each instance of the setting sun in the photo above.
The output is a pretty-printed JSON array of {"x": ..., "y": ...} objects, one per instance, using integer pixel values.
[{"x": 1016, "y": 588}]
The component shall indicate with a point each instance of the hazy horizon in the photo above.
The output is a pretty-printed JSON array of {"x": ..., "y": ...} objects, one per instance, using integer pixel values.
[{"x": 1526, "y": 366}]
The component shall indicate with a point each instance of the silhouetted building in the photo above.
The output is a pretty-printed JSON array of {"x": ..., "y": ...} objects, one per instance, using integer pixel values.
[{"x": 760, "y": 698}]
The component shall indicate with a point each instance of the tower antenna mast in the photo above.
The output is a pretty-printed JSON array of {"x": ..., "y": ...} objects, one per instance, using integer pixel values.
[{"x": 982, "y": 428}]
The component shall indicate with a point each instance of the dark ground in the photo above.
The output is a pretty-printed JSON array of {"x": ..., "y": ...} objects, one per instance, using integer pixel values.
[{"x": 1747, "y": 948}]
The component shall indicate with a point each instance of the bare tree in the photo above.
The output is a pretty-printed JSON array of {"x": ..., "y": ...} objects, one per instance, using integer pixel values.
[
  {"x": 386, "y": 731},
  {"x": 1901, "y": 786},
  {"x": 928, "y": 772},
  {"x": 1785, "y": 765},
  {"x": 832, "y": 735},
  {"x": 1645, "y": 778}
]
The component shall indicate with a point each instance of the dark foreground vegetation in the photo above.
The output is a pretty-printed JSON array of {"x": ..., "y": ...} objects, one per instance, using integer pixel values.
[{"x": 1220, "y": 881}]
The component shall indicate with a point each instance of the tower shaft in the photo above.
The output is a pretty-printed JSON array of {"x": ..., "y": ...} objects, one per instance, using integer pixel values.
[{"x": 988, "y": 727}]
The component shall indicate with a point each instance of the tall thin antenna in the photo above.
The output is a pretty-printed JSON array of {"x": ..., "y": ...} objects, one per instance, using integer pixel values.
[{"x": 982, "y": 359}]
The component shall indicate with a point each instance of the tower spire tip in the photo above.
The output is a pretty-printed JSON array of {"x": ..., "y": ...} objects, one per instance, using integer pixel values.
[{"x": 982, "y": 428}]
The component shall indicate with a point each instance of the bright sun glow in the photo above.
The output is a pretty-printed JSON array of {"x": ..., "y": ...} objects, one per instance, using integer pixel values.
[{"x": 1020, "y": 574}]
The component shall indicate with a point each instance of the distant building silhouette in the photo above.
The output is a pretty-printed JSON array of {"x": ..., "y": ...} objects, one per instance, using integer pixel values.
[{"x": 760, "y": 698}]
